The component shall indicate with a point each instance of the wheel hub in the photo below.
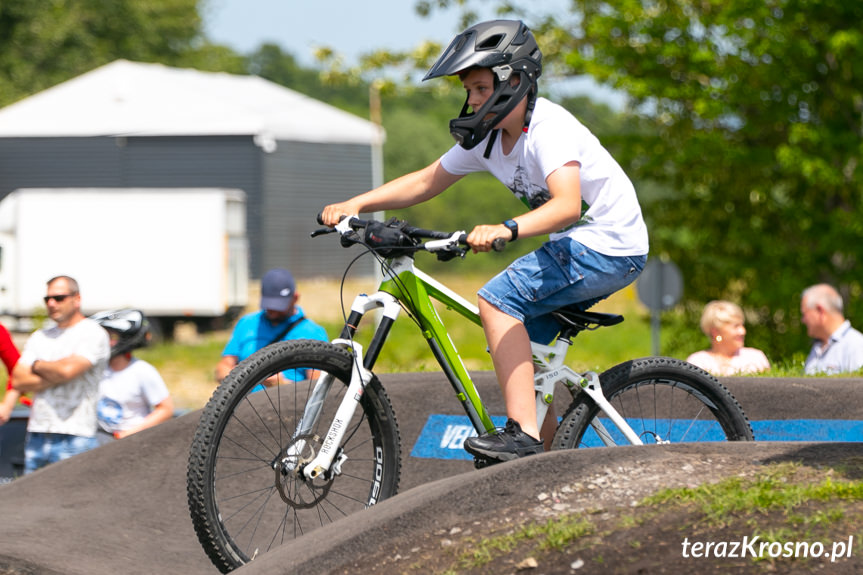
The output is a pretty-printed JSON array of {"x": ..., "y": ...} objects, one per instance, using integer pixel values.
[{"x": 293, "y": 486}]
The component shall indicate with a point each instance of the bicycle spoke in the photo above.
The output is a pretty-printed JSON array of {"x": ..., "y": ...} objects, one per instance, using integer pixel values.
[
  {"x": 662, "y": 400},
  {"x": 253, "y": 460}
]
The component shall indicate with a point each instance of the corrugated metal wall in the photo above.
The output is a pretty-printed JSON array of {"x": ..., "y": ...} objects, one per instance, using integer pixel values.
[
  {"x": 300, "y": 179},
  {"x": 284, "y": 189},
  {"x": 58, "y": 163}
]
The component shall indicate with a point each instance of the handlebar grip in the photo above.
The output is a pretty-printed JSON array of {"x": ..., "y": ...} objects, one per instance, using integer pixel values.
[
  {"x": 320, "y": 218},
  {"x": 497, "y": 245}
]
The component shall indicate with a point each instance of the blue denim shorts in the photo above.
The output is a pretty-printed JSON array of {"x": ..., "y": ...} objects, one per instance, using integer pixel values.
[
  {"x": 560, "y": 273},
  {"x": 41, "y": 449}
]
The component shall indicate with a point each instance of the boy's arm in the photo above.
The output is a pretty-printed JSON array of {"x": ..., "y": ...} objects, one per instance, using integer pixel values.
[
  {"x": 562, "y": 210},
  {"x": 408, "y": 190}
]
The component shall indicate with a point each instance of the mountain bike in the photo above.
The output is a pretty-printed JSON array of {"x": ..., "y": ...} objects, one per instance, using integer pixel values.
[{"x": 269, "y": 466}]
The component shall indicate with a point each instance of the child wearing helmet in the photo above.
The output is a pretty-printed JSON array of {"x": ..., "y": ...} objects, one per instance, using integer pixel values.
[
  {"x": 554, "y": 165},
  {"x": 132, "y": 394}
]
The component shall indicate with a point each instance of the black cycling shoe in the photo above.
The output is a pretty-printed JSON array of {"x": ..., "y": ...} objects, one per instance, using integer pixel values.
[{"x": 504, "y": 445}]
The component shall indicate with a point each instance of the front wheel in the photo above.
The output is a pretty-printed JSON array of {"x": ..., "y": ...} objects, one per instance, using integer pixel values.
[
  {"x": 663, "y": 400},
  {"x": 246, "y": 487}
]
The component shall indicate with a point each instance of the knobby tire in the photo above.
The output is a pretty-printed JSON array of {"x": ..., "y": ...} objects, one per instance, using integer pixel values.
[
  {"x": 238, "y": 508},
  {"x": 664, "y": 400}
]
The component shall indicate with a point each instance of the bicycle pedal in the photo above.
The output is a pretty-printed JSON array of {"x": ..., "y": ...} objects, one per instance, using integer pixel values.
[{"x": 481, "y": 462}]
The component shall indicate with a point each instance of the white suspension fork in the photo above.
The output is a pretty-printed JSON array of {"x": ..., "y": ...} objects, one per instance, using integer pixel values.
[{"x": 360, "y": 378}]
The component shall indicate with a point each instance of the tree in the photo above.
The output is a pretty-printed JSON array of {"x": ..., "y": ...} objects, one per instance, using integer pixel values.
[
  {"x": 750, "y": 119},
  {"x": 43, "y": 44}
]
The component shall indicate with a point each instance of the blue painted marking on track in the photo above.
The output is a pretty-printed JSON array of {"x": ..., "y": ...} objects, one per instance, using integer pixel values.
[{"x": 443, "y": 435}]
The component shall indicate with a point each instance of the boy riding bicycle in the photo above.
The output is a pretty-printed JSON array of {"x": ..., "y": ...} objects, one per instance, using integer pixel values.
[{"x": 551, "y": 162}]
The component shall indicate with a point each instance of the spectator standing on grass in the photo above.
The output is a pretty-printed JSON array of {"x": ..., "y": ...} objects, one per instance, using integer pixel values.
[
  {"x": 722, "y": 323},
  {"x": 9, "y": 355},
  {"x": 132, "y": 394},
  {"x": 279, "y": 319},
  {"x": 61, "y": 366},
  {"x": 838, "y": 347}
]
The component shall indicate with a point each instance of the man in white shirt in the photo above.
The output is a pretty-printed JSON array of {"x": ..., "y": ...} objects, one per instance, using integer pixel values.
[
  {"x": 838, "y": 347},
  {"x": 61, "y": 366}
]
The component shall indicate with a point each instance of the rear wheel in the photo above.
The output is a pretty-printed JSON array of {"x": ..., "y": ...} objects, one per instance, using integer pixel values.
[
  {"x": 664, "y": 400},
  {"x": 246, "y": 487}
]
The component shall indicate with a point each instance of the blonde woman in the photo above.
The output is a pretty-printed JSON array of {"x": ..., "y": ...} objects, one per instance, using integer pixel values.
[{"x": 722, "y": 323}]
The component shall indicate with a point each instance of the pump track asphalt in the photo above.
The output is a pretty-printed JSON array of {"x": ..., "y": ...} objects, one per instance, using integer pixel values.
[{"x": 122, "y": 509}]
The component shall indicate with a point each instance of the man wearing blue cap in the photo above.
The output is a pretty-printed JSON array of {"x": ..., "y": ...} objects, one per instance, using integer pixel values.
[{"x": 279, "y": 319}]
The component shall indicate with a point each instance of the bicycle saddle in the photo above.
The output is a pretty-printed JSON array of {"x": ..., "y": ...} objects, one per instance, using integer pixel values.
[{"x": 572, "y": 316}]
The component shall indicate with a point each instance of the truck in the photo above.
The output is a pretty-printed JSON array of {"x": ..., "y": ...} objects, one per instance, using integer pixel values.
[{"x": 177, "y": 254}]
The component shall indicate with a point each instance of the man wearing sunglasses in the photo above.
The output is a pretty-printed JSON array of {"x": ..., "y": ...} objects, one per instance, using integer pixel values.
[{"x": 61, "y": 366}]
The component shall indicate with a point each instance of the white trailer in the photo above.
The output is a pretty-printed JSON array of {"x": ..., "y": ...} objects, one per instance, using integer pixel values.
[{"x": 175, "y": 253}]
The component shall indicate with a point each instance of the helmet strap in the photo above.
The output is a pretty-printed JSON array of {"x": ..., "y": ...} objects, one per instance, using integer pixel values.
[
  {"x": 492, "y": 137},
  {"x": 528, "y": 113}
]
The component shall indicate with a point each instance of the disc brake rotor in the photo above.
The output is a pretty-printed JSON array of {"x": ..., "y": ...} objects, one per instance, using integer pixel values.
[{"x": 294, "y": 487}]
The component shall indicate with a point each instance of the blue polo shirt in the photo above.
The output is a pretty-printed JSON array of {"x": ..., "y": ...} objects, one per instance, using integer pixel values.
[{"x": 254, "y": 331}]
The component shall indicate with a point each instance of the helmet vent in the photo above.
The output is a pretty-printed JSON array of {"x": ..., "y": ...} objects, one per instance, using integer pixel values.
[{"x": 491, "y": 42}]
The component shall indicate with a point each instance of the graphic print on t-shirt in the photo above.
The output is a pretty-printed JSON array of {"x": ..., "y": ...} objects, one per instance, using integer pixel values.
[
  {"x": 530, "y": 195},
  {"x": 110, "y": 411}
]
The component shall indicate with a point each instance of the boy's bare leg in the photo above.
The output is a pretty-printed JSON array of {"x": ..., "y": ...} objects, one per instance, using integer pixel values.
[{"x": 509, "y": 345}]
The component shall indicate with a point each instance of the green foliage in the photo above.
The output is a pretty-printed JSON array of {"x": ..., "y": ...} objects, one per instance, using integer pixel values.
[
  {"x": 750, "y": 122},
  {"x": 744, "y": 142},
  {"x": 45, "y": 43}
]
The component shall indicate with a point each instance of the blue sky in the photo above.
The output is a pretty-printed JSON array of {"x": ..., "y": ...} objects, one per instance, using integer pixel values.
[{"x": 348, "y": 26}]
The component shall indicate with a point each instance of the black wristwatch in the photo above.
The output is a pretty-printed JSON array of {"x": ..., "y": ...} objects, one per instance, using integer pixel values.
[{"x": 512, "y": 226}]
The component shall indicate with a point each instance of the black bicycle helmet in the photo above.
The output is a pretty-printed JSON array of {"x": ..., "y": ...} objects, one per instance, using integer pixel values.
[
  {"x": 129, "y": 324},
  {"x": 506, "y": 47}
]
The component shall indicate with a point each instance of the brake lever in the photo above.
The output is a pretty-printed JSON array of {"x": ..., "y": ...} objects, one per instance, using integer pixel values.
[
  {"x": 323, "y": 231},
  {"x": 344, "y": 225}
]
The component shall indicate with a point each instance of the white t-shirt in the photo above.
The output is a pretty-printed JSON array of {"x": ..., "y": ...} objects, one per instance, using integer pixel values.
[
  {"x": 612, "y": 225},
  {"x": 69, "y": 408},
  {"x": 127, "y": 396}
]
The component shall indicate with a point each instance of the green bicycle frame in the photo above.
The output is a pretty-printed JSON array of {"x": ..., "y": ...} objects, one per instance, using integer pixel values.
[{"x": 415, "y": 290}]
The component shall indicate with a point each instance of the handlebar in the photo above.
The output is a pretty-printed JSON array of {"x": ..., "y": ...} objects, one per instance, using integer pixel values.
[{"x": 436, "y": 241}]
